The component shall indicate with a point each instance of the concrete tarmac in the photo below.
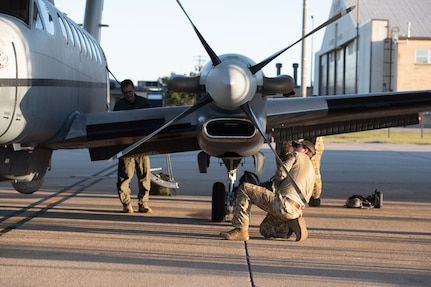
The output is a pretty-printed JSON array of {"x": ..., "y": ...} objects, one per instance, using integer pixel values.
[{"x": 72, "y": 231}]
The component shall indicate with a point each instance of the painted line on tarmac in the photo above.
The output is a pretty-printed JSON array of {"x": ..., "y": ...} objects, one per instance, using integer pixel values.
[{"x": 16, "y": 219}]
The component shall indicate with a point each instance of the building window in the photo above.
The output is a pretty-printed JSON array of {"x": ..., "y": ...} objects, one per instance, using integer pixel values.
[
  {"x": 337, "y": 71},
  {"x": 423, "y": 56}
]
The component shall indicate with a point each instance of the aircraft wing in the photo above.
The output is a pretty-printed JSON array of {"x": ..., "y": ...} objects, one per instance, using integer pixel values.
[
  {"x": 309, "y": 117},
  {"x": 107, "y": 133}
]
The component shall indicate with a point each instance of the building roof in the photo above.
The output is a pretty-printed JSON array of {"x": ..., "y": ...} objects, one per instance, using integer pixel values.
[{"x": 399, "y": 13}]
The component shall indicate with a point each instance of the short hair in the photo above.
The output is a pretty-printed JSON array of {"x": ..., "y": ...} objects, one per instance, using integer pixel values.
[{"x": 127, "y": 83}]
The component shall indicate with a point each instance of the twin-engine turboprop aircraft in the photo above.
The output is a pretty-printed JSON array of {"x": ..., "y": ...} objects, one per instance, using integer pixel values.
[{"x": 54, "y": 87}]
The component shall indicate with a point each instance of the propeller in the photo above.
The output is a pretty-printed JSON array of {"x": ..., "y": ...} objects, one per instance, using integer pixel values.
[
  {"x": 229, "y": 85},
  {"x": 279, "y": 84},
  {"x": 254, "y": 69},
  {"x": 276, "y": 83}
]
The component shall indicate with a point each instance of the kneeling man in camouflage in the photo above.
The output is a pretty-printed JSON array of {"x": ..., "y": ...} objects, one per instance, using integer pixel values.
[{"x": 283, "y": 205}]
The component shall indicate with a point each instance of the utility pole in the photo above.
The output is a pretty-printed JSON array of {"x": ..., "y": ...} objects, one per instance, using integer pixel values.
[
  {"x": 304, "y": 50},
  {"x": 311, "y": 53},
  {"x": 200, "y": 60}
]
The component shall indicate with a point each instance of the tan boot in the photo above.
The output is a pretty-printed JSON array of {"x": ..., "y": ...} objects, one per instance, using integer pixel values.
[
  {"x": 298, "y": 227},
  {"x": 238, "y": 234},
  {"x": 145, "y": 208},
  {"x": 127, "y": 208}
]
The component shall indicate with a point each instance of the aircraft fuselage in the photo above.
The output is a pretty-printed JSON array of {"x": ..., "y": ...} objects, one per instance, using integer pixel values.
[{"x": 50, "y": 70}]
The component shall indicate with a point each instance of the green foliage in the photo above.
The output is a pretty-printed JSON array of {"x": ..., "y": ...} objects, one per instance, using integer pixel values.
[
  {"x": 383, "y": 136},
  {"x": 178, "y": 99}
]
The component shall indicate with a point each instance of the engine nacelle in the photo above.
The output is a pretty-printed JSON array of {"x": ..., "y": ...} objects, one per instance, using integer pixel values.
[{"x": 236, "y": 135}]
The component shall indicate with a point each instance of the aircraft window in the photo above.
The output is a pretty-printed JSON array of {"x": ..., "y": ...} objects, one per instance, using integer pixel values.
[
  {"x": 81, "y": 37},
  {"x": 75, "y": 35},
  {"x": 37, "y": 19},
  {"x": 69, "y": 32},
  {"x": 17, "y": 8},
  {"x": 99, "y": 56},
  {"x": 88, "y": 46},
  {"x": 63, "y": 27},
  {"x": 93, "y": 48},
  {"x": 46, "y": 17}
]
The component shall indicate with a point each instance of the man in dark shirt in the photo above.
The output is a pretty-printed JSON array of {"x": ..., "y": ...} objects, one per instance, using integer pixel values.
[{"x": 127, "y": 164}]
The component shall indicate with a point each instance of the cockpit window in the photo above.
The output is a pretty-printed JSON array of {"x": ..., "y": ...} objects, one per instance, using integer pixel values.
[
  {"x": 46, "y": 17},
  {"x": 17, "y": 8},
  {"x": 37, "y": 19}
]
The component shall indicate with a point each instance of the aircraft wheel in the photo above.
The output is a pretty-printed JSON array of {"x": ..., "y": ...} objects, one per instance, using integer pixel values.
[
  {"x": 28, "y": 187},
  {"x": 218, "y": 202}
]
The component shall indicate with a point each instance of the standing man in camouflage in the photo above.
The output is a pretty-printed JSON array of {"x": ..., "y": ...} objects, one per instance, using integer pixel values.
[
  {"x": 129, "y": 163},
  {"x": 317, "y": 191},
  {"x": 284, "y": 205}
]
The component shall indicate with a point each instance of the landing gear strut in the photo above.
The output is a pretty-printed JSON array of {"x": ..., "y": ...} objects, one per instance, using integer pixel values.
[{"x": 223, "y": 202}]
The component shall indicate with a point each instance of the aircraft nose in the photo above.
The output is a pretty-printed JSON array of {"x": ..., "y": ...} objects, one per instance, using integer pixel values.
[{"x": 230, "y": 85}]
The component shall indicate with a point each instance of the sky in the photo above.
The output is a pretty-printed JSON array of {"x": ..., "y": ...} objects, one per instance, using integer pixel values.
[{"x": 150, "y": 39}]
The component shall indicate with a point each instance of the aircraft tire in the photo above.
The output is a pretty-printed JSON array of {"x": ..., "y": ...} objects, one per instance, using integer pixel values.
[
  {"x": 28, "y": 187},
  {"x": 218, "y": 202}
]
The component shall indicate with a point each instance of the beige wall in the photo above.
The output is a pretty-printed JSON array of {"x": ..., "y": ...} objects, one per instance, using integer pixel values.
[{"x": 411, "y": 76}]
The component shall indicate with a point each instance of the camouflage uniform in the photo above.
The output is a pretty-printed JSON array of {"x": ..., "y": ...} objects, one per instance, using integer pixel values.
[
  {"x": 283, "y": 148},
  {"x": 282, "y": 205},
  {"x": 315, "y": 160}
]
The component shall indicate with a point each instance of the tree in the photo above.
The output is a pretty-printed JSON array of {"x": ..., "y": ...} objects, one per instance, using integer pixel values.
[{"x": 175, "y": 98}]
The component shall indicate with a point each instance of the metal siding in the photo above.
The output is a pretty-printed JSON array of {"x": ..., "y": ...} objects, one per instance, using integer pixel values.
[{"x": 398, "y": 12}]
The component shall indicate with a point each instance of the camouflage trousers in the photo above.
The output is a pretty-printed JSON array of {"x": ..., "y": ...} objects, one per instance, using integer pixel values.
[
  {"x": 315, "y": 160},
  {"x": 279, "y": 210},
  {"x": 126, "y": 169},
  {"x": 272, "y": 226}
]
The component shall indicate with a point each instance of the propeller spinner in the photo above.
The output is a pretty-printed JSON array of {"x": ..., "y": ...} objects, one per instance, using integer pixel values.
[{"x": 230, "y": 84}]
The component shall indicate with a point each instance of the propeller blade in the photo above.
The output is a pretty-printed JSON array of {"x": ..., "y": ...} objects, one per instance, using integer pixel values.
[
  {"x": 213, "y": 56},
  {"x": 255, "y": 68},
  {"x": 200, "y": 103},
  {"x": 252, "y": 117}
]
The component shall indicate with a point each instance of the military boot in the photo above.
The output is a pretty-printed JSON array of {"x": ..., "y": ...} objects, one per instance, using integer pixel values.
[
  {"x": 127, "y": 208},
  {"x": 238, "y": 234},
  {"x": 314, "y": 202},
  {"x": 298, "y": 227},
  {"x": 144, "y": 208}
]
